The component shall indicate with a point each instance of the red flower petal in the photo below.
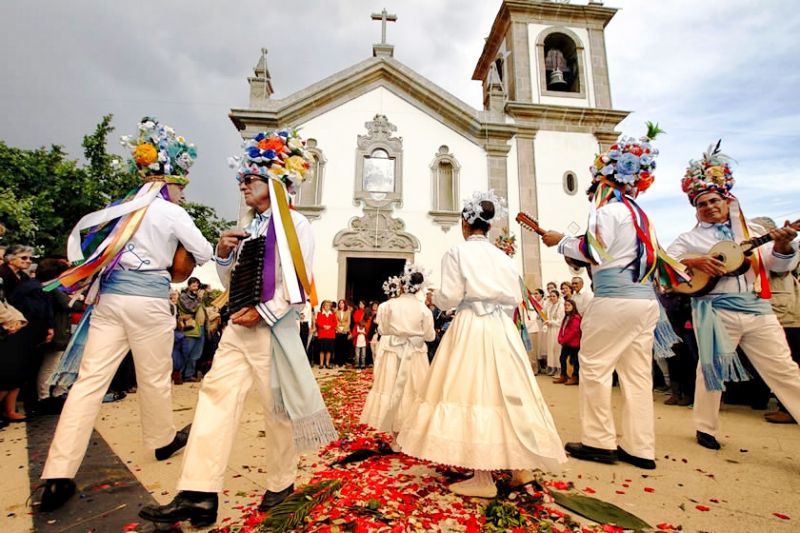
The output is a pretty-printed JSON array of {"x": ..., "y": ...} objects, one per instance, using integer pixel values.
[
  {"x": 781, "y": 516},
  {"x": 702, "y": 508}
]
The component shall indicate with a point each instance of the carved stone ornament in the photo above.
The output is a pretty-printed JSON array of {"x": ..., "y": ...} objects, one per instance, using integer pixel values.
[
  {"x": 379, "y": 160},
  {"x": 377, "y": 230}
]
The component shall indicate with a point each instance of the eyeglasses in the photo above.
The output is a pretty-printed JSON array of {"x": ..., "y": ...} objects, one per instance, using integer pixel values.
[
  {"x": 247, "y": 180},
  {"x": 24, "y": 257}
]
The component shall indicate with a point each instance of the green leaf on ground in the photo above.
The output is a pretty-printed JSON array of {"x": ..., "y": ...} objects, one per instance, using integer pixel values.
[{"x": 598, "y": 510}]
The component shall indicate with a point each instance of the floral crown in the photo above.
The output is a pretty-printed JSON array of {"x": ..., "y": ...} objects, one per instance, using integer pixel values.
[
  {"x": 473, "y": 211},
  {"x": 158, "y": 154},
  {"x": 391, "y": 287},
  {"x": 628, "y": 162},
  {"x": 408, "y": 271},
  {"x": 279, "y": 154},
  {"x": 712, "y": 173}
]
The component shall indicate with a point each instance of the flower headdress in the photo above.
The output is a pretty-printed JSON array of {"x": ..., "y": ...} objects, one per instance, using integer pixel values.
[
  {"x": 473, "y": 211},
  {"x": 712, "y": 173},
  {"x": 507, "y": 242},
  {"x": 391, "y": 287},
  {"x": 408, "y": 271},
  {"x": 279, "y": 154},
  {"x": 628, "y": 163},
  {"x": 158, "y": 154}
]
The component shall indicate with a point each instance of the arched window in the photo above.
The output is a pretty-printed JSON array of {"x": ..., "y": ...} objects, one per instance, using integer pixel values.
[
  {"x": 379, "y": 165},
  {"x": 561, "y": 63},
  {"x": 445, "y": 172},
  {"x": 570, "y": 182},
  {"x": 308, "y": 196}
]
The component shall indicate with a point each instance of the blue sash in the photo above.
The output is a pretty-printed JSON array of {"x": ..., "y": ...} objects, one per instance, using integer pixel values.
[
  {"x": 133, "y": 283},
  {"x": 718, "y": 358},
  {"x": 620, "y": 283}
]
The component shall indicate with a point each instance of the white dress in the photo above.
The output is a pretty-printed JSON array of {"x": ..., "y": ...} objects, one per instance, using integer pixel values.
[
  {"x": 406, "y": 323},
  {"x": 555, "y": 315},
  {"x": 481, "y": 407}
]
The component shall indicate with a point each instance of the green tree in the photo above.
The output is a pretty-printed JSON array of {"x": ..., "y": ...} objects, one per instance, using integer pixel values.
[
  {"x": 43, "y": 194},
  {"x": 207, "y": 221}
]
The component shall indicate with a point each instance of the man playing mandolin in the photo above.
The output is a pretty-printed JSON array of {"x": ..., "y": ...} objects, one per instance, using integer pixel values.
[
  {"x": 131, "y": 246},
  {"x": 736, "y": 310}
]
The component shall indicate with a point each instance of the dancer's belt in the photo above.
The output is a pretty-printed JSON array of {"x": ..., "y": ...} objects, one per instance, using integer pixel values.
[
  {"x": 134, "y": 283},
  {"x": 247, "y": 276}
]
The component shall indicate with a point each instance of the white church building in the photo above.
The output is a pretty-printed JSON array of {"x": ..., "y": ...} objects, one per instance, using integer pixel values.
[{"x": 395, "y": 153}]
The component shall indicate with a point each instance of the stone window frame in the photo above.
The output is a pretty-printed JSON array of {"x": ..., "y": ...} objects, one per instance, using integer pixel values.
[
  {"x": 565, "y": 179},
  {"x": 313, "y": 210},
  {"x": 445, "y": 219},
  {"x": 379, "y": 137},
  {"x": 580, "y": 51}
]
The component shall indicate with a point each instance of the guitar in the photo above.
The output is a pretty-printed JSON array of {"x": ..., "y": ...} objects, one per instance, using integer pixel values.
[
  {"x": 182, "y": 265},
  {"x": 531, "y": 224},
  {"x": 735, "y": 258}
]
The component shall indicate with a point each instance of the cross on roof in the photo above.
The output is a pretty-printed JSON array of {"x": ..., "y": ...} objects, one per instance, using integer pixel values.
[{"x": 384, "y": 17}]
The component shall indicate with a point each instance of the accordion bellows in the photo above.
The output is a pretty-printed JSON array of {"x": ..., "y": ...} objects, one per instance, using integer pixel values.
[{"x": 247, "y": 276}]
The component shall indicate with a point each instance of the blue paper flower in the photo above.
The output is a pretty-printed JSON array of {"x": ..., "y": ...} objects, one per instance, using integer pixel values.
[
  {"x": 628, "y": 164},
  {"x": 253, "y": 152},
  {"x": 614, "y": 154},
  {"x": 260, "y": 136}
]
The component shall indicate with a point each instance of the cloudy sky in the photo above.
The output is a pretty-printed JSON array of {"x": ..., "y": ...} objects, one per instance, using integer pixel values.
[{"x": 703, "y": 70}]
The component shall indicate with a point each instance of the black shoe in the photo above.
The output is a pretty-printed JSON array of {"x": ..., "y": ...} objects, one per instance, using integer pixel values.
[
  {"x": 200, "y": 508},
  {"x": 56, "y": 493},
  {"x": 647, "y": 464},
  {"x": 181, "y": 437},
  {"x": 590, "y": 453},
  {"x": 271, "y": 499},
  {"x": 708, "y": 441}
]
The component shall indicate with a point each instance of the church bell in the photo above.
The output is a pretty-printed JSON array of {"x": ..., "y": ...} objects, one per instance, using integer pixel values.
[{"x": 556, "y": 80}]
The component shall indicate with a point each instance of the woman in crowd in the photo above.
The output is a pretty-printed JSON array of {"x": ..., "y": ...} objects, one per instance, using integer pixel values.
[
  {"x": 13, "y": 345},
  {"x": 566, "y": 290},
  {"x": 554, "y": 309},
  {"x": 326, "y": 333},
  {"x": 342, "y": 348},
  {"x": 481, "y": 407},
  {"x": 569, "y": 337}
]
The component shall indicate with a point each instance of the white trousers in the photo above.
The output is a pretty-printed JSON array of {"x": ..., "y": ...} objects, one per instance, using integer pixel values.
[
  {"x": 243, "y": 358},
  {"x": 764, "y": 341},
  {"x": 119, "y": 323},
  {"x": 617, "y": 334}
]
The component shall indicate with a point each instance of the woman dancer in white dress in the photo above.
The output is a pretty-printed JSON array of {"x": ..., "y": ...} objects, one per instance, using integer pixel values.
[
  {"x": 481, "y": 407},
  {"x": 407, "y": 323},
  {"x": 379, "y": 395}
]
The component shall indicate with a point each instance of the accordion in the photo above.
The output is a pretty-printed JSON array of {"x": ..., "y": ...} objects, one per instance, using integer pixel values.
[{"x": 247, "y": 276}]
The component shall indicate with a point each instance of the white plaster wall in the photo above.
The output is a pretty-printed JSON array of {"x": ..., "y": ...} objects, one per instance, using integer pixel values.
[
  {"x": 555, "y": 153},
  {"x": 583, "y": 34},
  {"x": 336, "y": 133},
  {"x": 513, "y": 202}
]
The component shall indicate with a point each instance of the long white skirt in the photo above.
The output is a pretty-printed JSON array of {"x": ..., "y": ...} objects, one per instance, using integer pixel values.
[
  {"x": 481, "y": 407},
  {"x": 553, "y": 348}
]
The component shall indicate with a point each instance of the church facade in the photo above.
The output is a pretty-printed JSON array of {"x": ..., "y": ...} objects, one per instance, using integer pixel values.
[{"x": 395, "y": 154}]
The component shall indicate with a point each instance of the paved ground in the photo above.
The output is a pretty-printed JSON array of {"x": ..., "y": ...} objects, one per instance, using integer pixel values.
[{"x": 744, "y": 487}]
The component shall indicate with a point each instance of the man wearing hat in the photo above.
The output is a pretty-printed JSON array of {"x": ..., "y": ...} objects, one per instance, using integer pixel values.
[
  {"x": 619, "y": 321},
  {"x": 130, "y": 245},
  {"x": 737, "y": 311},
  {"x": 261, "y": 344}
]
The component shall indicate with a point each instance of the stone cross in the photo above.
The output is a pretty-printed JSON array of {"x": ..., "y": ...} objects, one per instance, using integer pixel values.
[{"x": 384, "y": 17}]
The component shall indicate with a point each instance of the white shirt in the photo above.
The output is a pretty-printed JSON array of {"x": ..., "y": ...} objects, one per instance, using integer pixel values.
[
  {"x": 617, "y": 233},
  {"x": 700, "y": 239},
  {"x": 555, "y": 313},
  {"x": 406, "y": 316},
  {"x": 477, "y": 271},
  {"x": 273, "y": 310},
  {"x": 153, "y": 245},
  {"x": 581, "y": 300}
]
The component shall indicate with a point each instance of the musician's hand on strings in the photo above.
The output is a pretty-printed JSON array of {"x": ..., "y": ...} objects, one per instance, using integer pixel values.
[
  {"x": 783, "y": 238},
  {"x": 552, "y": 238},
  {"x": 247, "y": 317},
  {"x": 705, "y": 263},
  {"x": 229, "y": 240}
]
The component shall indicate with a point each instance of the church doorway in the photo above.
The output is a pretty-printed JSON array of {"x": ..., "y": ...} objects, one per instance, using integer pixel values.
[{"x": 365, "y": 277}]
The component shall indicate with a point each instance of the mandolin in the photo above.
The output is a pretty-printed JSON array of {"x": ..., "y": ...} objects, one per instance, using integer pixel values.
[
  {"x": 182, "y": 265},
  {"x": 531, "y": 224},
  {"x": 735, "y": 258}
]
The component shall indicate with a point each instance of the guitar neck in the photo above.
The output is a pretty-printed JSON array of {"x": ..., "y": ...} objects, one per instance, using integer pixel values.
[{"x": 755, "y": 242}]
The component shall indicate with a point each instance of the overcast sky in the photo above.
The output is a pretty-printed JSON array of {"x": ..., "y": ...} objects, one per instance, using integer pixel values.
[{"x": 704, "y": 70}]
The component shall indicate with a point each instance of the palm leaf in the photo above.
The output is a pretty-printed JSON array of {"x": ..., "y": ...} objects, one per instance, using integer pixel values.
[
  {"x": 598, "y": 510},
  {"x": 292, "y": 512}
]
